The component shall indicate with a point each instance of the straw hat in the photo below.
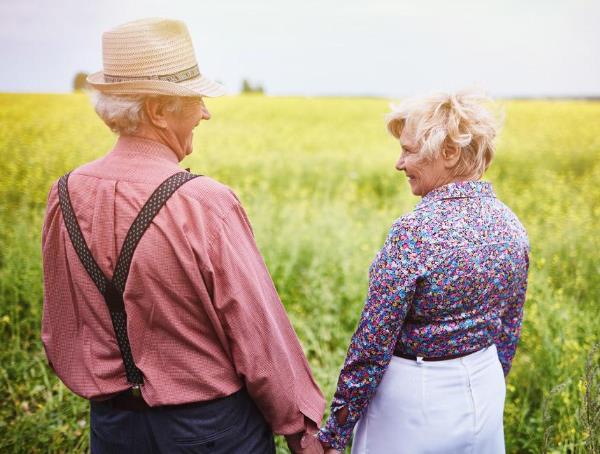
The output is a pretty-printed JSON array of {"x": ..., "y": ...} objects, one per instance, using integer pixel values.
[{"x": 151, "y": 56}]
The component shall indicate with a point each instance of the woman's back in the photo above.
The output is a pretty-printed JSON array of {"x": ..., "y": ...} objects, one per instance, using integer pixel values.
[{"x": 469, "y": 252}]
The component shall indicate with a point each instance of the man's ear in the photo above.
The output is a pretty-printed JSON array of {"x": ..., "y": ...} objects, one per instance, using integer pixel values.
[
  {"x": 451, "y": 155},
  {"x": 155, "y": 111}
]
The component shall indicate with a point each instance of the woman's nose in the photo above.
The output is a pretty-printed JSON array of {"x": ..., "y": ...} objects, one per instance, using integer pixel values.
[{"x": 400, "y": 164}]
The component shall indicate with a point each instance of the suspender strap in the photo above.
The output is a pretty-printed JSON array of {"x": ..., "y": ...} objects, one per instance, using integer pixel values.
[
  {"x": 112, "y": 289},
  {"x": 142, "y": 222},
  {"x": 77, "y": 237}
]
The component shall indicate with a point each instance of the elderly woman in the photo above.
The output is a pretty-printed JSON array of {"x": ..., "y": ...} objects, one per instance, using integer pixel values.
[
  {"x": 158, "y": 306},
  {"x": 425, "y": 368}
]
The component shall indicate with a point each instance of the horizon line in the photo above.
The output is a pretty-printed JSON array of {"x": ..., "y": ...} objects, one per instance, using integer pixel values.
[{"x": 516, "y": 97}]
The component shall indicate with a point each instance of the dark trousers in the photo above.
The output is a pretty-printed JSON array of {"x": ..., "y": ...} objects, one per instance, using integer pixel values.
[{"x": 229, "y": 425}]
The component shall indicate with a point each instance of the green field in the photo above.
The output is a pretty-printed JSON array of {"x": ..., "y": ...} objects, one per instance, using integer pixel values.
[{"x": 318, "y": 181}]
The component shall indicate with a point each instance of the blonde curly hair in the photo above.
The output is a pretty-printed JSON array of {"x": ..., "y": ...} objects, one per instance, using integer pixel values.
[{"x": 445, "y": 120}]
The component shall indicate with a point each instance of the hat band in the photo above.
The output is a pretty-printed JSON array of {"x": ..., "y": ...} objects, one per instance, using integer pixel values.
[{"x": 186, "y": 74}]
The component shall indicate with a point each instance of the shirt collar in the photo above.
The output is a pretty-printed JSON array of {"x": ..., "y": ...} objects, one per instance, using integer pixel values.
[
  {"x": 459, "y": 190},
  {"x": 137, "y": 147}
]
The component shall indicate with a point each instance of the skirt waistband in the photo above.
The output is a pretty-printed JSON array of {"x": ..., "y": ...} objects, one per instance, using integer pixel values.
[{"x": 437, "y": 358}]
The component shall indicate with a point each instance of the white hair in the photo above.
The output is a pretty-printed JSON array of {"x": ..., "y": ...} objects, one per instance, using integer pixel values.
[
  {"x": 450, "y": 120},
  {"x": 123, "y": 114}
]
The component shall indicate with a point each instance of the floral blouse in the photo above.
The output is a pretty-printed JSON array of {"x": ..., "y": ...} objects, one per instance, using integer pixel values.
[{"x": 450, "y": 279}]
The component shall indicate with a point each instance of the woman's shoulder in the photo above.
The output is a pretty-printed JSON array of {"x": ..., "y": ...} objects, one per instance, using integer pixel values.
[
  {"x": 408, "y": 221},
  {"x": 506, "y": 216},
  {"x": 406, "y": 229}
]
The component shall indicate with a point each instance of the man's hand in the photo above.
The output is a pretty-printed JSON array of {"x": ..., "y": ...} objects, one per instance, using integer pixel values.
[{"x": 305, "y": 442}]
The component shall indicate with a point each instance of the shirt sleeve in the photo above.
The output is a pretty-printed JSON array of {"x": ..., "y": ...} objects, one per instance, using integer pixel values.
[
  {"x": 392, "y": 283},
  {"x": 512, "y": 315},
  {"x": 261, "y": 341},
  {"x": 50, "y": 218}
]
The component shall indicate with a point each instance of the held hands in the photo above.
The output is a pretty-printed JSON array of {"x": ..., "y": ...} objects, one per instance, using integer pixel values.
[
  {"x": 308, "y": 443},
  {"x": 305, "y": 442}
]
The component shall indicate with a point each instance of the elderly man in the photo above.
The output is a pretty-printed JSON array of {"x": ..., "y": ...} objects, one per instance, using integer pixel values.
[{"x": 158, "y": 306}]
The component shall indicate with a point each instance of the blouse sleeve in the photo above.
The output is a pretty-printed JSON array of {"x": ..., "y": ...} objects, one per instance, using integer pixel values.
[
  {"x": 392, "y": 282},
  {"x": 512, "y": 314}
]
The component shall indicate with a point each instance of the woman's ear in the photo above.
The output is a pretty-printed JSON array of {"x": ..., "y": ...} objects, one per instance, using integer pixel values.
[
  {"x": 155, "y": 111},
  {"x": 451, "y": 155}
]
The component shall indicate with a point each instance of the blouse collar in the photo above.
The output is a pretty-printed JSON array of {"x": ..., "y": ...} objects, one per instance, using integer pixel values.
[{"x": 459, "y": 190}]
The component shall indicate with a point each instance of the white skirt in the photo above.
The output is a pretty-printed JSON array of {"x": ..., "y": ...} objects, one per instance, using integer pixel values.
[{"x": 445, "y": 407}]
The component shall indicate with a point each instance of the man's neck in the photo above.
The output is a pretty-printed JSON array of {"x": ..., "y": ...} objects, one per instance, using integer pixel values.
[{"x": 159, "y": 136}]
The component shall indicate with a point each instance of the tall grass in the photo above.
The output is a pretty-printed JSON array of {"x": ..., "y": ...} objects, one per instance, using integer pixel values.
[{"x": 316, "y": 177}]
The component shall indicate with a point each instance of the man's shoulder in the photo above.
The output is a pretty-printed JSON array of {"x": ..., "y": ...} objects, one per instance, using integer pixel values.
[{"x": 210, "y": 194}]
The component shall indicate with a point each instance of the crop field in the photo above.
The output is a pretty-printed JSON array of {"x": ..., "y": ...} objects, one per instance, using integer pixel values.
[{"x": 317, "y": 178}]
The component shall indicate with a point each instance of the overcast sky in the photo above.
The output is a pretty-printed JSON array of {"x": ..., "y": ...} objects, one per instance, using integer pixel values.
[{"x": 388, "y": 48}]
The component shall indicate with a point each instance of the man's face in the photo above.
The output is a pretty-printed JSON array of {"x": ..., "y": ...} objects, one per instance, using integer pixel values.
[{"x": 182, "y": 123}]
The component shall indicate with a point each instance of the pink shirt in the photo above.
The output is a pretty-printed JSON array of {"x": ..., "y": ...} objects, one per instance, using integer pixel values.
[{"x": 204, "y": 318}]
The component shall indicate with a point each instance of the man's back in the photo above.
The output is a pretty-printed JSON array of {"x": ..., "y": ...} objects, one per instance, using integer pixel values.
[{"x": 204, "y": 318}]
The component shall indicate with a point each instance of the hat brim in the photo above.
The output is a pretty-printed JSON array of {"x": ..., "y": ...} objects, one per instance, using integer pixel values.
[{"x": 199, "y": 86}]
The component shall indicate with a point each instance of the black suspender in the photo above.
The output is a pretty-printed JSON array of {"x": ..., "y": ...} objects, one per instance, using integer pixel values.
[{"x": 112, "y": 289}]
